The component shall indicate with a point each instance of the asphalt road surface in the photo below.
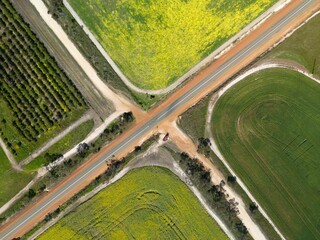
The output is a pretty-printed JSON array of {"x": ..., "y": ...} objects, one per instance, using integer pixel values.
[{"x": 8, "y": 231}]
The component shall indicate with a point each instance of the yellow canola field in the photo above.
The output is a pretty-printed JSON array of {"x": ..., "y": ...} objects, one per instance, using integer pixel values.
[
  {"x": 155, "y": 42},
  {"x": 147, "y": 203}
]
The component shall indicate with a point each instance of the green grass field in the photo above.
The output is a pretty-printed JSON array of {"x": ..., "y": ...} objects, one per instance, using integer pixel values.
[
  {"x": 148, "y": 203},
  {"x": 156, "y": 42},
  {"x": 10, "y": 181},
  {"x": 268, "y": 129},
  {"x": 302, "y": 47},
  {"x": 193, "y": 121}
]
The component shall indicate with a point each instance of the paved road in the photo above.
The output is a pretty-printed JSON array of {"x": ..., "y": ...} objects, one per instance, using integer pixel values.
[{"x": 15, "y": 227}]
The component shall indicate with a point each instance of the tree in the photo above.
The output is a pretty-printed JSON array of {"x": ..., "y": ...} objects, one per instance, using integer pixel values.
[
  {"x": 242, "y": 228},
  {"x": 42, "y": 187},
  {"x": 31, "y": 193},
  {"x": 82, "y": 149},
  {"x": 253, "y": 207},
  {"x": 204, "y": 146},
  {"x": 48, "y": 217},
  {"x": 128, "y": 116},
  {"x": 52, "y": 157},
  {"x": 184, "y": 156},
  {"x": 232, "y": 207},
  {"x": 205, "y": 176},
  {"x": 217, "y": 192},
  {"x": 232, "y": 179},
  {"x": 137, "y": 148}
]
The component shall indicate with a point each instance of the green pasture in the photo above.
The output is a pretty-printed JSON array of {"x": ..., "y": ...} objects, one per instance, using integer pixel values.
[
  {"x": 301, "y": 47},
  {"x": 267, "y": 127},
  {"x": 147, "y": 203},
  {"x": 156, "y": 42},
  {"x": 11, "y": 182}
]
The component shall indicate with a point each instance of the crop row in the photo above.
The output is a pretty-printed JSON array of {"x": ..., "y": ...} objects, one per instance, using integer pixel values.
[{"x": 37, "y": 92}]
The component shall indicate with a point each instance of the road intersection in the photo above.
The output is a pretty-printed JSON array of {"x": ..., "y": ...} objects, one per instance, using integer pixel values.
[{"x": 177, "y": 103}]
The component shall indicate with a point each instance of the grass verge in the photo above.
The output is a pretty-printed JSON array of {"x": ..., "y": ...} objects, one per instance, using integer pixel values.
[
  {"x": 193, "y": 121},
  {"x": 57, "y": 173},
  {"x": 115, "y": 166},
  {"x": 10, "y": 180},
  {"x": 302, "y": 47},
  {"x": 66, "y": 143}
]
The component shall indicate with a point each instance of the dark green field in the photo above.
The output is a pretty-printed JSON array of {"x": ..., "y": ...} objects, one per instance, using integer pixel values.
[
  {"x": 37, "y": 99},
  {"x": 268, "y": 128}
]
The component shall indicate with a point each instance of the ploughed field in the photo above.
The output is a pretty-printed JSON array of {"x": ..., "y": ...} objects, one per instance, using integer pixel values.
[
  {"x": 37, "y": 99},
  {"x": 147, "y": 203},
  {"x": 156, "y": 42},
  {"x": 267, "y": 127}
]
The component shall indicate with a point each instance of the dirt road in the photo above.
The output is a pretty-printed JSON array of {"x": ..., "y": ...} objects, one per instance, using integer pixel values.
[{"x": 119, "y": 103}]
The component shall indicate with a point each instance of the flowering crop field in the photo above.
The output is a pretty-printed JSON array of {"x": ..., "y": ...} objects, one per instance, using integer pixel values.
[
  {"x": 147, "y": 203},
  {"x": 154, "y": 42}
]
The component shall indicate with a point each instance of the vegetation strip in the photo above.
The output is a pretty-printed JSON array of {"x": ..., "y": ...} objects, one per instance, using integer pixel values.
[
  {"x": 114, "y": 167},
  {"x": 10, "y": 180}
]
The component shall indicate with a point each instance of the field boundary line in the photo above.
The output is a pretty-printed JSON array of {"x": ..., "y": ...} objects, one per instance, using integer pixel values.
[{"x": 212, "y": 56}]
